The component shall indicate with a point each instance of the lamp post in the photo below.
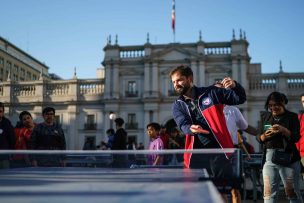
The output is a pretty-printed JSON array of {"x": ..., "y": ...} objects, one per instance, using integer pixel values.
[{"x": 112, "y": 117}]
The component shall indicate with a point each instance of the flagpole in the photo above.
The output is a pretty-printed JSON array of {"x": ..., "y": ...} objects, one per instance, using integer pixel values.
[
  {"x": 173, "y": 19},
  {"x": 174, "y": 37}
]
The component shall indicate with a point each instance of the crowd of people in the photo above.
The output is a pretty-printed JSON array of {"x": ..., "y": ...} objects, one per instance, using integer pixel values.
[
  {"x": 47, "y": 135},
  {"x": 160, "y": 138},
  {"x": 206, "y": 118}
]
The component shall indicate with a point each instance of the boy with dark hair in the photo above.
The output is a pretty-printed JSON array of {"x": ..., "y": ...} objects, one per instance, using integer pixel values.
[{"x": 155, "y": 144}]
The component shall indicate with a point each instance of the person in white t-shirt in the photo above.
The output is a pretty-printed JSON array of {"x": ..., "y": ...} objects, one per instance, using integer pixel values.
[{"x": 236, "y": 121}]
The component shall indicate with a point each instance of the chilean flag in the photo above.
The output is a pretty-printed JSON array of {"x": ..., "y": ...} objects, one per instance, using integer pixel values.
[{"x": 173, "y": 16}]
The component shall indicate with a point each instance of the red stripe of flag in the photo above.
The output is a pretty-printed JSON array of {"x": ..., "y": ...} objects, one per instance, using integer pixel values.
[{"x": 173, "y": 15}]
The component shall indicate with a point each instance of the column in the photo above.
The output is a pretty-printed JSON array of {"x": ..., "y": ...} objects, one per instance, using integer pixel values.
[
  {"x": 155, "y": 80},
  {"x": 107, "y": 81},
  {"x": 243, "y": 74},
  {"x": 235, "y": 70},
  {"x": 201, "y": 73},
  {"x": 195, "y": 73},
  {"x": 116, "y": 82},
  {"x": 72, "y": 135},
  {"x": 282, "y": 85},
  {"x": 74, "y": 89},
  {"x": 8, "y": 93},
  {"x": 147, "y": 79}
]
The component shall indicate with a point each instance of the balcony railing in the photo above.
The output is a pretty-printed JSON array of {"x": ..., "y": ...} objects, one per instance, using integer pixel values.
[
  {"x": 51, "y": 91},
  {"x": 290, "y": 83},
  {"x": 90, "y": 126},
  {"x": 131, "y": 94},
  {"x": 131, "y": 125}
]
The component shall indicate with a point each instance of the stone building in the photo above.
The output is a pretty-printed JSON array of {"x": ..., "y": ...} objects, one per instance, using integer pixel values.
[
  {"x": 17, "y": 65},
  {"x": 136, "y": 87}
]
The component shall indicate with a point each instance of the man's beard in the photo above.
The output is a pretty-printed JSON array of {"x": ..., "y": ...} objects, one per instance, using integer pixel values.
[{"x": 182, "y": 90}]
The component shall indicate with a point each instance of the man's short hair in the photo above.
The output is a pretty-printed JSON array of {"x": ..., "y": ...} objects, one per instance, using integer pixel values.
[
  {"x": 183, "y": 70},
  {"x": 156, "y": 126},
  {"x": 119, "y": 121},
  {"x": 48, "y": 109}
]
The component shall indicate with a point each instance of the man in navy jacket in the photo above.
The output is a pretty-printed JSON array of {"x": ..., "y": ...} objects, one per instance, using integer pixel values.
[{"x": 198, "y": 111}]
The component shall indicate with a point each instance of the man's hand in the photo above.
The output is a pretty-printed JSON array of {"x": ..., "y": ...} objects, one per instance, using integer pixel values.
[
  {"x": 198, "y": 129},
  {"x": 227, "y": 82}
]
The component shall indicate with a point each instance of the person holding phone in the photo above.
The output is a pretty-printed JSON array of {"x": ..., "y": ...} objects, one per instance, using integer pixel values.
[{"x": 280, "y": 130}]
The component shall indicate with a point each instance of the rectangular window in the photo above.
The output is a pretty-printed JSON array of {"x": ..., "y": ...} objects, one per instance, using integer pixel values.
[
  {"x": 132, "y": 86},
  {"x": 131, "y": 124},
  {"x": 8, "y": 64},
  {"x": 1, "y": 61},
  {"x": 131, "y": 118},
  {"x": 90, "y": 118},
  {"x": 28, "y": 75},
  {"x": 16, "y": 68},
  {"x": 15, "y": 77},
  {"x": 91, "y": 124},
  {"x": 132, "y": 89}
]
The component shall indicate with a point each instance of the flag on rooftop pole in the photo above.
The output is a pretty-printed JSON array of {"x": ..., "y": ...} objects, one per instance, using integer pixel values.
[{"x": 173, "y": 18}]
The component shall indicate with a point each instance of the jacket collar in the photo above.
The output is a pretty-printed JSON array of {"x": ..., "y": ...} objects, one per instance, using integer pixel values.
[{"x": 194, "y": 89}]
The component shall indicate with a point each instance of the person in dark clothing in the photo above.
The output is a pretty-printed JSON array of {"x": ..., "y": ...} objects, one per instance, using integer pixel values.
[
  {"x": 89, "y": 144},
  {"x": 48, "y": 136},
  {"x": 119, "y": 143},
  {"x": 120, "y": 137},
  {"x": 164, "y": 136},
  {"x": 176, "y": 141},
  {"x": 7, "y": 137},
  {"x": 280, "y": 130}
]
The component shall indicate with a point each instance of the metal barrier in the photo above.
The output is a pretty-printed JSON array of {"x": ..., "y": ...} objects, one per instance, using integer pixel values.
[{"x": 252, "y": 170}]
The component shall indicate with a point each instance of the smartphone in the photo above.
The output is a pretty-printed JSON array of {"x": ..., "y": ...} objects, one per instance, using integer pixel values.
[{"x": 266, "y": 127}]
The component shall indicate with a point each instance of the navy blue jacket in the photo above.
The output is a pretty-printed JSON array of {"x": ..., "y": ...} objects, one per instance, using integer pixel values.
[
  {"x": 7, "y": 134},
  {"x": 211, "y": 102}
]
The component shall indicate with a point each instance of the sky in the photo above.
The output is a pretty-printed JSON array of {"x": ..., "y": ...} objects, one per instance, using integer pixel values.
[{"x": 72, "y": 33}]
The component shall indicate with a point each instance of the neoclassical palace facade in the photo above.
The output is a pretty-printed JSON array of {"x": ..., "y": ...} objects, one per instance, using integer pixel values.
[{"x": 136, "y": 87}]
